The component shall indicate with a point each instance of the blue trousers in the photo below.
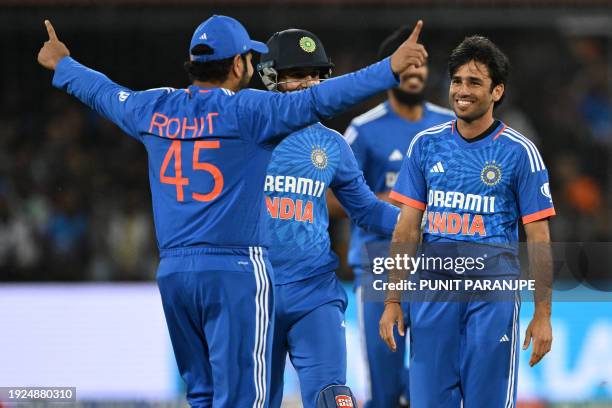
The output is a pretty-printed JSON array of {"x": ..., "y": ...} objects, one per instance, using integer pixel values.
[
  {"x": 218, "y": 304},
  {"x": 309, "y": 326},
  {"x": 386, "y": 374},
  {"x": 464, "y": 351}
]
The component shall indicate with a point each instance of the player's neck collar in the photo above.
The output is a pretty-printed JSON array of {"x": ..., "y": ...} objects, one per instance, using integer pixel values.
[{"x": 484, "y": 138}]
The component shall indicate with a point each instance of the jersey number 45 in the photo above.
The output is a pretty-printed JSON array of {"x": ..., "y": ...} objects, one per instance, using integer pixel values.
[{"x": 174, "y": 154}]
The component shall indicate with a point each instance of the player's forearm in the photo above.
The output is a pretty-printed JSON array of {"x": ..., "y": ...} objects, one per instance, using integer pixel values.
[
  {"x": 365, "y": 209},
  {"x": 338, "y": 94},
  {"x": 405, "y": 242},
  {"x": 541, "y": 268}
]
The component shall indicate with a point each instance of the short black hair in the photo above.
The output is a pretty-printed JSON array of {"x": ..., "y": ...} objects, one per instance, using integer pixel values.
[
  {"x": 210, "y": 71},
  {"x": 393, "y": 41},
  {"x": 480, "y": 49}
]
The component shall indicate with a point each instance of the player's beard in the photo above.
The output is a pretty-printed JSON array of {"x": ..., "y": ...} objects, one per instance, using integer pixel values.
[
  {"x": 409, "y": 99},
  {"x": 245, "y": 80}
]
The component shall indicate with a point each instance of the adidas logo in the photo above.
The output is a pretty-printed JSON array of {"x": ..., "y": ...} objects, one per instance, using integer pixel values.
[
  {"x": 504, "y": 338},
  {"x": 396, "y": 155},
  {"x": 203, "y": 37},
  {"x": 437, "y": 168}
]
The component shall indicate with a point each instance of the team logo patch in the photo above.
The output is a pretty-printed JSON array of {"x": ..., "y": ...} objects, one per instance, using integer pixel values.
[
  {"x": 491, "y": 174},
  {"x": 318, "y": 158},
  {"x": 308, "y": 44},
  {"x": 545, "y": 190},
  {"x": 344, "y": 401}
]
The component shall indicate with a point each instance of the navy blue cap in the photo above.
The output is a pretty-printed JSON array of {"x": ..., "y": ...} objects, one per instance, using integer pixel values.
[{"x": 226, "y": 37}]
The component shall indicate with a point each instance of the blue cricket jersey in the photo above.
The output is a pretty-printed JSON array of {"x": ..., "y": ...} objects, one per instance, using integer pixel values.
[
  {"x": 208, "y": 149},
  {"x": 302, "y": 168},
  {"x": 380, "y": 138},
  {"x": 475, "y": 191}
]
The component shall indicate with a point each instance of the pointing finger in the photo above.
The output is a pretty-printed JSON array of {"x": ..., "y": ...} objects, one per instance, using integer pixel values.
[
  {"x": 51, "y": 31},
  {"x": 414, "y": 36}
]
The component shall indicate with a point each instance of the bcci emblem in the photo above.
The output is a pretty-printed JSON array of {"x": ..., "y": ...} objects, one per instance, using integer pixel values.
[
  {"x": 318, "y": 158},
  {"x": 491, "y": 174},
  {"x": 308, "y": 44}
]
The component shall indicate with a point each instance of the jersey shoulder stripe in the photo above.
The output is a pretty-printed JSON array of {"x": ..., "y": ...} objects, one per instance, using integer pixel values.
[
  {"x": 350, "y": 134},
  {"x": 535, "y": 160},
  {"x": 431, "y": 131},
  {"x": 227, "y": 92},
  {"x": 439, "y": 109},
  {"x": 532, "y": 145},
  {"x": 370, "y": 115}
]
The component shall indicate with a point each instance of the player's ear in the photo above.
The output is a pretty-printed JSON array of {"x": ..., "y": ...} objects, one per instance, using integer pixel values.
[
  {"x": 237, "y": 66},
  {"x": 498, "y": 92}
]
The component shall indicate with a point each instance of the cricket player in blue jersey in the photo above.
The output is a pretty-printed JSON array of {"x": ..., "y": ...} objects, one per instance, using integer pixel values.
[
  {"x": 208, "y": 148},
  {"x": 309, "y": 300},
  {"x": 380, "y": 138},
  {"x": 477, "y": 177}
]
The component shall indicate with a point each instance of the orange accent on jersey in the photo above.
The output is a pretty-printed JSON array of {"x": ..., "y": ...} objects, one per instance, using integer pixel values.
[
  {"x": 298, "y": 210},
  {"x": 549, "y": 212},
  {"x": 174, "y": 152},
  {"x": 439, "y": 224},
  {"x": 407, "y": 200},
  {"x": 455, "y": 223},
  {"x": 156, "y": 124},
  {"x": 204, "y": 90},
  {"x": 211, "y": 168},
  {"x": 178, "y": 128},
  {"x": 193, "y": 128},
  {"x": 500, "y": 132},
  {"x": 272, "y": 206},
  {"x": 307, "y": 215},
  {"x": 287, "y": 208},
  {"x": 210, "y": 121},
  {"x": 478, "y": 226}
]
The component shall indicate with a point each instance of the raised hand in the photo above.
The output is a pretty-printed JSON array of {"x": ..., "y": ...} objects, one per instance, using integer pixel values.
[
  {"x": 410, "y": 52},
  {"x": 52, "y": 50}
]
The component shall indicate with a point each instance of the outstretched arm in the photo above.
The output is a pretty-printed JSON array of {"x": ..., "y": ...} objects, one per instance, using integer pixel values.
[
  {"x": 269, "y": 116},
  {"x": 96, "y": 90}
]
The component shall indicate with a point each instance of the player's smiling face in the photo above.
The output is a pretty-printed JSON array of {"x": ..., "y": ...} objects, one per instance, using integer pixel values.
[{"x": 471, "y": 94}]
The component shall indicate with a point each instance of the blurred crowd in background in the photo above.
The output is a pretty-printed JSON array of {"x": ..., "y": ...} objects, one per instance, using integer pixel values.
[{"x": 74, "y": 198}]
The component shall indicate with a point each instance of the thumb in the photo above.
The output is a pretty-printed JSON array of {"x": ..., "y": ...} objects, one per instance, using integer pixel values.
[
  {"x": 527, "y": 338},
  {"x": 414, "y": 35},
  {"x": 400, "y": 326},
  {"x": 51, "y": 31}
]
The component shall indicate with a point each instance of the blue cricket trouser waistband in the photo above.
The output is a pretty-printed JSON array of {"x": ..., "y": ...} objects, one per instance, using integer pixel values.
[{"x": 210, "y": 250}]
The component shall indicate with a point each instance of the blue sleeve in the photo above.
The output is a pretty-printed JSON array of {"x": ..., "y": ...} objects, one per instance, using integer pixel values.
[
  {"x": 360, "y": 203},
  {"x": 532, "y": 188},
  {"x": 116, "y": 103},
  {"x": 266, "y": 117},
  {"x": 411, "y": 186}
]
